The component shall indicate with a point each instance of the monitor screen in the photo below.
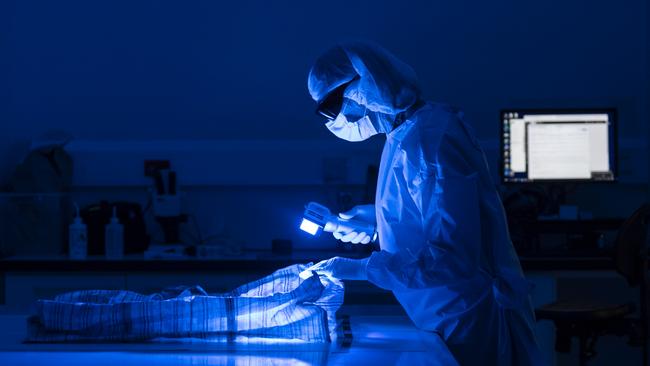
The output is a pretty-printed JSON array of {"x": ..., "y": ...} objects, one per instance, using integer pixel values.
[{"x": 558, "y": 145}]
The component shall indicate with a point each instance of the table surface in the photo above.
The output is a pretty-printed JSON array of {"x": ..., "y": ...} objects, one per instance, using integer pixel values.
[{"x": 381, "y": 335}]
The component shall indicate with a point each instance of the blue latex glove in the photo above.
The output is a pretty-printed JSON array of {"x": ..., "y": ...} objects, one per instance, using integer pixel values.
[
  {"x": 364, "y": 213},
  {"x": 341, "y": 268}
]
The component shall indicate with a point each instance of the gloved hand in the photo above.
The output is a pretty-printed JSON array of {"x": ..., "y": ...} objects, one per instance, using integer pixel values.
[
  {"x": 364, "y": 213},
  {"x": 341, "y": 268}
]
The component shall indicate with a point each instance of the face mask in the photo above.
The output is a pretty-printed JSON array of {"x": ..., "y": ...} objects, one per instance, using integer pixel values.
[
  {"x": 356, "y": 123},
  {"x": 358, "y": 130}
]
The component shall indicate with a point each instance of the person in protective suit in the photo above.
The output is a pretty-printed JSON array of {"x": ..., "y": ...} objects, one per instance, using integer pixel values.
[{"x": 445, "y": 249}]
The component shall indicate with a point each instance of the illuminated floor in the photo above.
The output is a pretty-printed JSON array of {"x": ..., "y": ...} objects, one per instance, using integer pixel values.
[{"x": 381, "y": 336}]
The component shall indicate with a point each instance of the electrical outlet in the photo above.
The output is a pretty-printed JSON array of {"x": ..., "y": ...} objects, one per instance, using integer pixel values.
[{"x": 151, "y": 167}]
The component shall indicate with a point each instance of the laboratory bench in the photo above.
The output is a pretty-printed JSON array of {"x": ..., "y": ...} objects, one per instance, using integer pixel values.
[
  {"x": 257, "y": 261},
  {"x": 26, "y": 278},
  {"x": 249, "y": 260}
]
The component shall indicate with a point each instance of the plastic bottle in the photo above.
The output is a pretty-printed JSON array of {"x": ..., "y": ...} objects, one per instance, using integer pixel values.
[
  {"x": 114, "y": 238},
  {"x": 77, "y": 237}
]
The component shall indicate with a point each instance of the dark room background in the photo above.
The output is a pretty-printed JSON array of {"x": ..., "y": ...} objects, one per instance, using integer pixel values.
[{"x": 219, "y": 88}]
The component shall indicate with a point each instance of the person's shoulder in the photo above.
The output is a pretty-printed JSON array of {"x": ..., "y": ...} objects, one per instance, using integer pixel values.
[
  {"x": 432, "y": 122},
  {"x": 422, "y": 134},
  {"x": 446, "y": 137},
  {"x": 441, "y": 127},
  {"x": 437, "y": 115}
]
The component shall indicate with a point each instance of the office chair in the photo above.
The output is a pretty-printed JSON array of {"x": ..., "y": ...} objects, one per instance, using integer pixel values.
[{"x": 587, "y": 321}]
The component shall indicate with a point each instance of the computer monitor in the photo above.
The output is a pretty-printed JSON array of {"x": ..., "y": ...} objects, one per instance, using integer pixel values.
[{"x": 558, "y": 145}]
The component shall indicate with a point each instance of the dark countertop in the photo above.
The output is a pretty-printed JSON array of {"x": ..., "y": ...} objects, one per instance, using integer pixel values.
[{"x": 251, "y": 261}]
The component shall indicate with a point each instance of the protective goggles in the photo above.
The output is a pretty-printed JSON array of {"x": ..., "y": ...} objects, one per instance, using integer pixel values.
[{"x": 330, "y": 106}]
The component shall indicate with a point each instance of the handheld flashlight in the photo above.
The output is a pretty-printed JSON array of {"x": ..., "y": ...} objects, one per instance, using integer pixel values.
[{"x": 318, "y": 217}]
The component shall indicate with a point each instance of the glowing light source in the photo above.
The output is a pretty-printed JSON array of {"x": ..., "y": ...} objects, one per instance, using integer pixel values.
[{"x": 309, "y": 227}]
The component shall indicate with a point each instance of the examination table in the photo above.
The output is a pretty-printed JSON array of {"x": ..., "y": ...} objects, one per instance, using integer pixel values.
[{"x": 380, "y": 335}]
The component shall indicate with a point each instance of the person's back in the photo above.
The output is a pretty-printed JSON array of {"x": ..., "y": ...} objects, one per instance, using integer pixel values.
[{"x": 484, "y": 292}]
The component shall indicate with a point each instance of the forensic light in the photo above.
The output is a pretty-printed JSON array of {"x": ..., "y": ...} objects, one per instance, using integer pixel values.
[
  {"x": 309, "y": 227},
  {"x": 317, "y": 217}
]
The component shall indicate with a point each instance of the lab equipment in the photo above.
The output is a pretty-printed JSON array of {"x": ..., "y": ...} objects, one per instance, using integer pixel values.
[
  {"x": 77, "y": 237},
  {"x": 558, "y": 145},
  {"x": 130, "y": 216},
  {"x": 34, "y": 224},
  {"x": 446, "y": 253},
  {"x": 38, "y": 202},
  {"x": 318, "y": 217},
  {"x": 278, "y": 307},
  {"x": 114, "y": 238},
  {"x": 167, "y": 205}
]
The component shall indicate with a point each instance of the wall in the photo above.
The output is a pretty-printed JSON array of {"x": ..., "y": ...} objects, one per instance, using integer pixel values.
[
  {"x": 162, "y": 69},
  {"x": 156, "y": 71}
]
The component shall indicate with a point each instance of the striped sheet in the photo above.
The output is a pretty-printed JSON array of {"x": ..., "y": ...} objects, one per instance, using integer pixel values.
[{"x": 278, "y": 307}]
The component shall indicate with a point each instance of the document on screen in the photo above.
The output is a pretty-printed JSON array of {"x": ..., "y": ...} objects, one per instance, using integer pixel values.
[{"x": 558, "y": 151}]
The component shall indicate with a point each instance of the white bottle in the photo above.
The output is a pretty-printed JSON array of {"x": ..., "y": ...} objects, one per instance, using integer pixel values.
[
  {"x": 77, "y": 238},
  {"x": 114, "y": 238}
]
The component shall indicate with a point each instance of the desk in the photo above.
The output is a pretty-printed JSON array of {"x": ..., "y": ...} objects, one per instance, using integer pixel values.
[{"x": 529, "y": 235}]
